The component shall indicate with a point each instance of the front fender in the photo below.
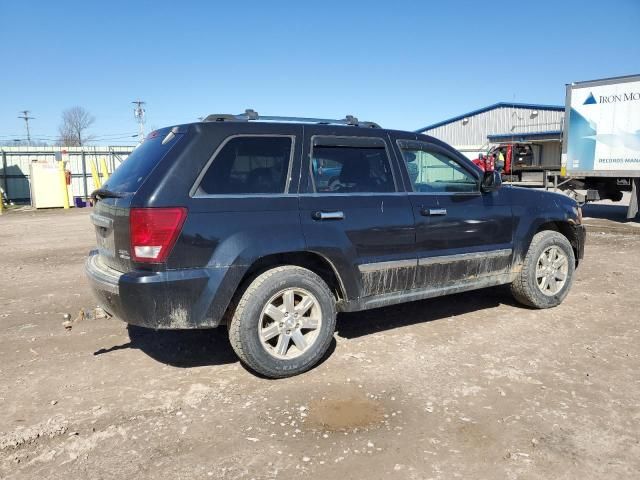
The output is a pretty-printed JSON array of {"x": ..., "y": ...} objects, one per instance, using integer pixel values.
[{"x": 532, "y": 209}]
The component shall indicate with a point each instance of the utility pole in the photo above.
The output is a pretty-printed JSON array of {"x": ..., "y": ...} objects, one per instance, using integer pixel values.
[
  {"x": 25, "y": 116},
  {"x": 139, "y": 112}
]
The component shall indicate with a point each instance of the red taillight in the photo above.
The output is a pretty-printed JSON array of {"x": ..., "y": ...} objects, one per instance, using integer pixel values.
[{"x": 154, "y": 231}]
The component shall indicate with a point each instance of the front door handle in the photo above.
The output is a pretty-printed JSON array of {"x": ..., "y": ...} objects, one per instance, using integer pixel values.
[
  {"x": 337, "y": 215},
  {"x": 433, "y": 211}
]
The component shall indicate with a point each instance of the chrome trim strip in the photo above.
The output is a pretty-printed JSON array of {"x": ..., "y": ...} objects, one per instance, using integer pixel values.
[
  {"x": 295, "y": 195},
  {"x": 451, "y": 194},
  {"x": 423, "y": 261},
  {"x": 245, "y": 195},
  {"x": 437, "y": 211},
  {"x": 329, "y": 216},
  {"x": 100, "y": 221},
  {"x": 378, "y": 266},
  {"x": 353, "y": 194}
]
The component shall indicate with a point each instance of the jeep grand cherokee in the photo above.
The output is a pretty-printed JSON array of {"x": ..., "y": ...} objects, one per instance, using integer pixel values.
[{"x": 271, "y": 225}]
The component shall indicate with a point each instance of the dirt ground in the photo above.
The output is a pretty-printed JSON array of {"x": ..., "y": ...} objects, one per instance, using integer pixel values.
[{"x": 468, "y": 386}]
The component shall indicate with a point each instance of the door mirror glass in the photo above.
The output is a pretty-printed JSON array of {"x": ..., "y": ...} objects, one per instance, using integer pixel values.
[{"x": 491, "y": 181}]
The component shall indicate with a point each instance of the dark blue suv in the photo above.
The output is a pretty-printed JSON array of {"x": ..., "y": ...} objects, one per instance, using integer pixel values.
[{"x": 270, "y": 226}]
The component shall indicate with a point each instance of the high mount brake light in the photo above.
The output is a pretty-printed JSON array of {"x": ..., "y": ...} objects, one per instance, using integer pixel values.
[{"x": 154, "y": 232}]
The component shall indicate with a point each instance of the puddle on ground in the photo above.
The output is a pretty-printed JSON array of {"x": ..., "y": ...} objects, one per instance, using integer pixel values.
[{"x": 337, "y": 414}]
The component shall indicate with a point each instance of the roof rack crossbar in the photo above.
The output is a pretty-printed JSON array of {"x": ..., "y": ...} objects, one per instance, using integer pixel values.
[{"x": 253, "y": 115}]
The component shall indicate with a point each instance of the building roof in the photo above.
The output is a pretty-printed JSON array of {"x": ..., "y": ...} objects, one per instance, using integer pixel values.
[
  {"x": 552, "y": 134},
  {"x": 534, "y": 106}
]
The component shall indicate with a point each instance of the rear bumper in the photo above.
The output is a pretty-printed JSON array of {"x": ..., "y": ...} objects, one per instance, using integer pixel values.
[{"x": 175, "y": 299}]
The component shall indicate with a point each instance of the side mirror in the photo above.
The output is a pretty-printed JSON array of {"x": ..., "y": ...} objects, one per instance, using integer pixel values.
[{"x": 491, "y": 181}]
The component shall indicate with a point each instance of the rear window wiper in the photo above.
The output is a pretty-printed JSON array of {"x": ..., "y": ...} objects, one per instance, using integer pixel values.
[{"x": 101, "y": 193}]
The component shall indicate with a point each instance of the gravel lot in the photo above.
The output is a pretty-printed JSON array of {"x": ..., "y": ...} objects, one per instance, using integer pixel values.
[{"x": 467, "y": 386}]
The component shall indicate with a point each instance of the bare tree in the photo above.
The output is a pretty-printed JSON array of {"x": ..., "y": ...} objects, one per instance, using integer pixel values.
[{"x": 72, "y": 130}]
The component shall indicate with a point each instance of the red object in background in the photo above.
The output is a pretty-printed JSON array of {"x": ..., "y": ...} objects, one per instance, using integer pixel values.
[
  {"x": 486, "y": 164},
  {"x": 479, "y": 162},
  {"x": 490, "y": 163},
  {"x": 508, "y": 159},
  {"x": 67, "y": 176}
]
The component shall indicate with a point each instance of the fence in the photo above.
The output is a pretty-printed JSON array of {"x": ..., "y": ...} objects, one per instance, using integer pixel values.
[{"x": 14, "y": 170}]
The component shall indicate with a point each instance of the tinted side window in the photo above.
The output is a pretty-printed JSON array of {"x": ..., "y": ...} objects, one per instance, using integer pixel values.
[
  {"x": 247, "y": 165},
  {"x": 433, "y": 171},
  {"x": 135, "y": 169},
  {"x": 339, "y": 168}
]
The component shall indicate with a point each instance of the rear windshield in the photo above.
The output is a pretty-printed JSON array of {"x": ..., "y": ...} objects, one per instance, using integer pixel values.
[{"x": 135, "y": 169}]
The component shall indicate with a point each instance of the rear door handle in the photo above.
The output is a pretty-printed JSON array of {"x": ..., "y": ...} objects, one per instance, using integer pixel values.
[
  {"x": 337, "y": 215},
  {"x": 433, "y": 211}
]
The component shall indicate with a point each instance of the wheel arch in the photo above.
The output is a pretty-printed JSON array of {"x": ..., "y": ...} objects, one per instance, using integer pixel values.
[
  {"x": 563, "y": 227},
  {"x": 315, "y": 262},
  {"x": 312, "y": 261}
]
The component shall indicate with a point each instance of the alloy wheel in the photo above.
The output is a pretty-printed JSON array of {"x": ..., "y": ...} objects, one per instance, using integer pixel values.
[
  {"x": 290, "y": 323},
  {"x": 552, "y": 270}
]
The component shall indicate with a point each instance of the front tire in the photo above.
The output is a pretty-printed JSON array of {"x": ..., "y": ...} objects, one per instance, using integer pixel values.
[
  {"x": 547, "y": 271},
  {"x": 284, "y": 322}
]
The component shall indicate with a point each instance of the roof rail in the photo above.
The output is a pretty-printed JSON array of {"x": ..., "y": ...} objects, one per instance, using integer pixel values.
[{"x": 250, "y": 114}]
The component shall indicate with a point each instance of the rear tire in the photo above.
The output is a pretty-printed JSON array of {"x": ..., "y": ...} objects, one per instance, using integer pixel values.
[
  {"x": 284, "y": 322},
  {"x": 547, "y": 272}
]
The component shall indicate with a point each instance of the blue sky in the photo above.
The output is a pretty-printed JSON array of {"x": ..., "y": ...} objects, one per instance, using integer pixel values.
[{"x": 403, "y": 64}]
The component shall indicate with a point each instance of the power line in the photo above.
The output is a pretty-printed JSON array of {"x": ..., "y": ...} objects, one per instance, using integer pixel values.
[
  {"x": 25, "y": 116},
  {"x": 43, "y": 135},
  {"x": 125, "y": 134}
]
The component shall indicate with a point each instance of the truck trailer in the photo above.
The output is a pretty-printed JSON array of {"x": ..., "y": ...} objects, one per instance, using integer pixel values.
[{"x": 601, "y": 139}]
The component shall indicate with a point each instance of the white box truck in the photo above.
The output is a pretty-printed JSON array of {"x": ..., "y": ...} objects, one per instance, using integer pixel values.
[{"x": 601, "y": 144}]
